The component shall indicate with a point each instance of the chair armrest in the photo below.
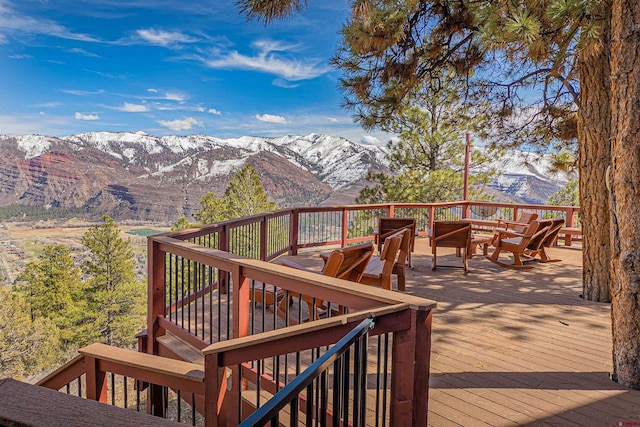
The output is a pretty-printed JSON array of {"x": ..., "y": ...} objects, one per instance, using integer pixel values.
[
  {"x": 503, "y": 232},
  {"x": 293, "y": 264},
  {"x": 508, "y": 224}
]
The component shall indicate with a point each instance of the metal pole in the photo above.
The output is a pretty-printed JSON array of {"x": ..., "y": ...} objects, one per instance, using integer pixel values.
[{"x": 467, "y": 155}]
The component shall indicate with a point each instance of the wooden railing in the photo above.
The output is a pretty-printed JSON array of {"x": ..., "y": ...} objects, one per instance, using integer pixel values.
[
  {"x": 232, "y": 316},
  {"x": 117, "y": 377},
  {"x": 213, "y": 288},
  {"x": 207, "y": 287},
  {"x": 267, "y": 236}
]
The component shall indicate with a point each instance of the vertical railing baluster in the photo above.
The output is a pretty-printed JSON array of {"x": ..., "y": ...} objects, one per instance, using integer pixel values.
[
  {"x": 385, "y": 379},
  {"x": 193, "y": 409}
]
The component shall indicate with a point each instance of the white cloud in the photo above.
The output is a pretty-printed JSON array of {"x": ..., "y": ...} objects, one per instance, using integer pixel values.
[
  {"x": 164, "y": 38},
  {"x": 284, "y": 84},
  {"x": 49, "y": 105},
  {"x": 27, "y": 124},
  {"x": 13, "y": 23},
  {"x": 42, "y": 113},
  {"x": 333, "y": 120},
  {"x": 270, "y": 118},
  {"x": 214, "y": 111},
  {"x": 175, "y": 96},
  {"x": 20, "y": 56},
  {"x": 371, "y": 140},
  {"x": 80, "y": 116},
  {"x": 268, "y": 62},
  {"x": 83, "y": 52},
  {"x": 83, "y": 92},
  {"x": 152, "y": 90},
  {"x": 181, "y": 124},
  {"x": 128, "y": 107}
]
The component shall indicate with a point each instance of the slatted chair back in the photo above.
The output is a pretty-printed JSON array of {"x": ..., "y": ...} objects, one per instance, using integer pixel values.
[
  {"x": 388, "y": 226},
  {"x": 347, "y": 263},
  {"x": 516, "y": 243},
  {"x": 451, "y": 234},
  {"x": 552, "y": 235},
  {"x": 379, "y": 270},
  {"x": 520, "y": 225},
  {"x": 554, "y": 227}
]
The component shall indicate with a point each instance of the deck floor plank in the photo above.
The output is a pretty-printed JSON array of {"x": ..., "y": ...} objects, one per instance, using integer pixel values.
[{"x": 509, "y": 347}]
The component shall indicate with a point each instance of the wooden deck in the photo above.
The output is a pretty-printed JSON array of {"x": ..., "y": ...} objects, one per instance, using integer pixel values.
[{"x": 518, "y": 347}]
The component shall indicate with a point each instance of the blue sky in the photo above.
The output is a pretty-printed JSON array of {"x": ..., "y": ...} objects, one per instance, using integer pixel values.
[{"x": 169, "y": 67}]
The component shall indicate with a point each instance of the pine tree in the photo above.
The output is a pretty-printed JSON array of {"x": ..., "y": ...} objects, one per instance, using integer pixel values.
[
  {"x": 53, "y": 289},
  {"x": 212, "y": 209},
  {"x": 543, "y": 66},
  {"x": 116, "y": 300},
  {"x": 428, "y": 157},
  {"x": 245, "y": 195},
  {"x": 567, "y": 195},
  {"x": 181, "y": 224},
  {"x": 27, "y": 346}
]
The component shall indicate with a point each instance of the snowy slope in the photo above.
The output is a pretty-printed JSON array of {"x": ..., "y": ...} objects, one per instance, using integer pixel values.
[{"x": 336, "y": 161}]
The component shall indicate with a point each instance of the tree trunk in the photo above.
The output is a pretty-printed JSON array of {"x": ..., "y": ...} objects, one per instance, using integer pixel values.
[
  {"x": 625, "y": 150},
  {"x": 594, "y": 156}
]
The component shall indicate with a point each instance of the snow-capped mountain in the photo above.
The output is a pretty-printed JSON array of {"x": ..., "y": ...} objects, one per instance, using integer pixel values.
[
  {"x": 147, "y": 177},
  {"x": 525, "y": 177},
  {"x": 334, "y": 160},
  {"x": 134, "y": 175}
]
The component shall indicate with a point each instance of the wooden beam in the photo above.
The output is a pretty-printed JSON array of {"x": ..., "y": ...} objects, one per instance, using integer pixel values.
[{"x": 146, "y": 367}]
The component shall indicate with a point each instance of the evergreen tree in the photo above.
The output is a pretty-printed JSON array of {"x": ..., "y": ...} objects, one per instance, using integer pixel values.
[
  {"x": 582, "y": 57},
  {"x": 182, "y": 223},
  {"x": 245, "y": 195},
  {"x": 27, "y": 346},
  {"x": 567, "y": 195},
  {"x": 212, "y": 209},
  {"x": 53, "y": 289},
  {"x": 428, "y": 157},
  {"x": 115, "y": 298}
]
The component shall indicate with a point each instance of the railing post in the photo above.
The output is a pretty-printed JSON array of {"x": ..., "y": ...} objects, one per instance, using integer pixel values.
[
  {"x": 432, "y": 214},
  {"x": 515, "y": 213},
  {"x": 155, "y": 293},
  {"x": 411, "y": 353},
  {"x": 223, "y": 242},
  {"x": 345, "y": 227},
  {"x": 568, "y": 238},
  {"x": 294, "y": 223},
  {"x": 264, "y": 235},
  {"x": 391, "y": 211},
  {"x": 96, "y": 380},
  {"x": 155, "y": 301},
  {"x": 240, "y": 310},
  {"x": 214, "y": 391},
  {"x": 466, "y": 209}
]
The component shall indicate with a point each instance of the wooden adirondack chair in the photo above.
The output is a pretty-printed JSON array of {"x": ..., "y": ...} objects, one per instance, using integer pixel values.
[
  {"x": 520, "y": 225},
  {"x": 451, "y": 234},
  {"x": 555, "y": 225},
  {"x": 389, "y": 226},
  {"x": 392, "y": 257},
  {"x": 344, "y": 263},
  {"x": 517, "y": 243}
]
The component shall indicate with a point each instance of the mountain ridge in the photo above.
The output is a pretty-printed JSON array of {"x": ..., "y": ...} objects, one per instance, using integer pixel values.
[{"x": 135, "y": 175}]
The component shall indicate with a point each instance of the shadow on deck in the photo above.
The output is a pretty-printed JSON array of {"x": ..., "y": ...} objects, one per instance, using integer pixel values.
[{"x": 517, "y": 347}]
